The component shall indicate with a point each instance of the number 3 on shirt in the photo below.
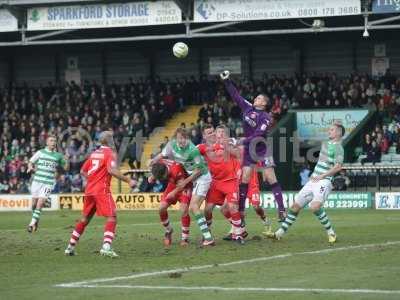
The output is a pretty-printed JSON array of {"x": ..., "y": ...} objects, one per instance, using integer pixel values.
[{"x": 95, "y": 166}]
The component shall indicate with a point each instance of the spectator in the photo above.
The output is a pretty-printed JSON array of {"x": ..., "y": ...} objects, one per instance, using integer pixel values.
[
  {"x": 63, "y": 184},
  {"x": 373, "y": 154},
  {"x": 4, "y": 187},
  {"x": 195, "y": 136},
  {"x": 203, "y": 112},
  {"x": 76, "y": 183},
  {"x": 382, "y": 142},
  {"x": 367, "y": 144},
  {"x": 133, "y": 161}
]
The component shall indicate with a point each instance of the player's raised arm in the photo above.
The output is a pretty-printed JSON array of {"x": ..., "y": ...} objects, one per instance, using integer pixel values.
[{"x": 233, "y": 92}]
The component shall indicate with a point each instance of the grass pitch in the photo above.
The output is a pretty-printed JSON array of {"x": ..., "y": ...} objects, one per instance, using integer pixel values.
[{"x": 297, "y": 267}]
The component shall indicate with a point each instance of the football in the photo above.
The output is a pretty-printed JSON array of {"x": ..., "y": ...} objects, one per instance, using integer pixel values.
[{"x": 180, "y": 50}]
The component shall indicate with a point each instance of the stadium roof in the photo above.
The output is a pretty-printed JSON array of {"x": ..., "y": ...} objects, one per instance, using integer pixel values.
[{"x": 187, "y": 29}]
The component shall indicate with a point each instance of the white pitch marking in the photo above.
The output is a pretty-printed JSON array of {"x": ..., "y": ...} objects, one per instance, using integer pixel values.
[
  {"x": 247, "y": 289},
  {"x": 238, "y": 262}
]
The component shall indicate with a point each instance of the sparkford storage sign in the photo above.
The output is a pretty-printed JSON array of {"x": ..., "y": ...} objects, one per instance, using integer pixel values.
[
  {"x": 104, "y": 15},
  {"x": 242, "y": 10}
]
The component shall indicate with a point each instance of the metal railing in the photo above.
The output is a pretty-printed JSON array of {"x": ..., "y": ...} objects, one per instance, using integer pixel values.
[{"x": 373, "y": 175}]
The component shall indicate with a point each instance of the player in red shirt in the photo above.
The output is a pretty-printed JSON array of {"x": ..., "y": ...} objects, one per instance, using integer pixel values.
[
  {"x": 100, "y": 166},
  {"x": 224, "y": 188},
  {"x": 172, "y": 171}
]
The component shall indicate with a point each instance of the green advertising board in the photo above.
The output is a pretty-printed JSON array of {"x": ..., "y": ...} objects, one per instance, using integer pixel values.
[{"x": 335, "y": 200}]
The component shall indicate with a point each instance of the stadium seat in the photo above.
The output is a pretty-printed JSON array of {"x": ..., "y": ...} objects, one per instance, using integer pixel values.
[
  {"x": 357, "y": 151},
  {"x": 386, "y": 157},
  {"x": 361, "y": 157},
  {"x": 392, "y": 150},
  {"x": 396, "y": 158}
]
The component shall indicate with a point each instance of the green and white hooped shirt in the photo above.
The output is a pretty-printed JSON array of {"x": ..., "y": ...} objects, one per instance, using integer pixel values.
[
  {"x": 46, "y": 163},
  {"x": 189, "y": 157},
  {"x": 331, "y": 153}
]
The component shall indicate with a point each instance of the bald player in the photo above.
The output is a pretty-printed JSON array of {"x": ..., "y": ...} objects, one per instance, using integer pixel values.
[{"x": 98, "y": 169}]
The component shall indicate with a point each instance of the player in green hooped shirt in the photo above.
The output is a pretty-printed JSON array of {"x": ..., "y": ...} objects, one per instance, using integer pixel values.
[
  {"x": 44, "y": 163},
  {"x": 317, "y": 189},
  {"x": 183, "y": 151}
]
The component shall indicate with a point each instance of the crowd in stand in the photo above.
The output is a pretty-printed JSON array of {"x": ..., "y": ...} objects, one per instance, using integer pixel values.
[
  {"x": 78, "y": 113},
  {"x": 385, "y": 136}
]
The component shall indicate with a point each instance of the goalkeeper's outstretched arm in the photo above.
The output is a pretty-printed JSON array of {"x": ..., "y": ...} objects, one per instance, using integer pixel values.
[{"x": 233, "y": 92}]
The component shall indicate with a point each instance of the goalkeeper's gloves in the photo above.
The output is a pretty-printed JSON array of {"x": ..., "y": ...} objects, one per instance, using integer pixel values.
[{"x": 225, "y": 75}]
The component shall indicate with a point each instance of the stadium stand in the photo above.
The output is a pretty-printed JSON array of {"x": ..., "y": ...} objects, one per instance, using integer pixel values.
[{"x": 142, "y": 105}]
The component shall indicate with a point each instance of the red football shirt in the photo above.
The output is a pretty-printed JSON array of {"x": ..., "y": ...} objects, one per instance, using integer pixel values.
[
  {"x": 175, "y": 171},
  {"x": 222, "y": 165},
  {"x": 97, "y": 168}
]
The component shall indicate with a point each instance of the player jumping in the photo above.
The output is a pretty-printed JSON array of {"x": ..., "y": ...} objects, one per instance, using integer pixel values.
[
  {"x": 317, "y": 189},
  {"x": 98, "y": 169},
  {"x": 45, "y": 163},
  {"x": 256, "y": 123},
  {"x": 173, "y": 172},
  {"x": 183, "y": 151}
]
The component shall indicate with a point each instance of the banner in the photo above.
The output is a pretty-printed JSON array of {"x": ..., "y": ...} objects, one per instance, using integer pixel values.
[
  {"x": 387, "y": 200},
  {"x": 104, "y": 15},
  {"x": 239, "y": 10},
  {"x": 379, "y": 65},
  {"x": 7, "y": 21},
  {"x": 335, "y": 200},
  {"x": 314, "y": 125},
  {"x": 23, "y": 202},
  {"x": 122, "y": 201},
  {"x": 222, "y": 63},
  {"x": 385, "y": 6}
]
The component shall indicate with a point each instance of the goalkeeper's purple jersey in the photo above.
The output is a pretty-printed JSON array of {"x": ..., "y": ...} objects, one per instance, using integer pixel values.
[{"x": 256, "y": 123}]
